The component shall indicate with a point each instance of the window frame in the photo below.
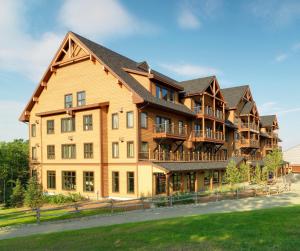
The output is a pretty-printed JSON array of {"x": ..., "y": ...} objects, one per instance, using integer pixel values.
[
  {"x": 73, "y": 129},
  {"x": 34, "y": 153},
  {"x": 87, "y": 126},
  {"x": 146, "y": 120},
  {"x": 86, "y": 154},
  {"x": 128, "y": 148},
  {"x": 127, "y": 119},
  {"x": 48, "y": 128},
  {"x": 113, "y": 178},
  {"x": 65, "y": 100},
  {"x": 81, "y": 100},
  {"x": 91, "y": 178},
  {"x": 113, "y": 126},
  {"x": 51, "y": 176},
  {"x": 48, "y": 155},
  {"x": 130, "y": 179},
  {"x": 63, "y": 179},
  {"x": 118, "y": 150},
  {"x": 33, "y": 130},
  {"x": 62, "y": 151}
]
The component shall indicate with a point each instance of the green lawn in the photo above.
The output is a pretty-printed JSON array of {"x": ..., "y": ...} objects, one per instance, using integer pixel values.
[
  {"x": 9, "y": 217},
  {"x": 270, "y": 229}
]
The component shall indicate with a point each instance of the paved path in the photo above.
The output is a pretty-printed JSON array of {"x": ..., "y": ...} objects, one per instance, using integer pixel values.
[{"x": 286, "y": 199}]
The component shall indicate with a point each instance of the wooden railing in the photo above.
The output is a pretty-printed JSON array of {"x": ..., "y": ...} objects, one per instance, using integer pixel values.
[
  {"x": 249, "y": 142},
  {"x": 170, "y": 129},
  {"x": 181, "y": 156},
  {"x": 208, "y": 135},
  {"x": 251, "y": 126},
  {"x": 208, "y": 110}
]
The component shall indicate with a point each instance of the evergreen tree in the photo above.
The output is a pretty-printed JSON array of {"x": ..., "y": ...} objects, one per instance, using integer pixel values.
[
  {"x": 257, "y": 177},
  {"x": 232, "y": 175},
  {"x": 273, "y": 161},
  {"x": 17, "y": 196},
  {"x": 34, "y": 194},
  {"x": 244, "y": 172}
]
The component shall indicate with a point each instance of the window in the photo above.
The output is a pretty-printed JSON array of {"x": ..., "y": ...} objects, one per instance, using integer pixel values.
[
  {"x": 144, "y": 120},
  {"x": 34, "y": 174},
  {"x": 158, "y": 91},
  {"x": 50, "y": 126},
  {"x": 68, "y": 151},
  {"x": 88, "y": 122},
  {"x": 115, "y": 150},
  {"x": 88, "y": 181},
  {"x": 68, "y": 180},
  {"x": 160, "y": 179},
  {"x": 181, "y": 128},
  {"x": 51, "y": 180},
  {"x": 33, "y": 130},
  {"x": 165, "y": 94},
  {"x": 216, "y": 177},
  {"x": 176, "y": 182},
  {"x": 81, "y": 98},
  {"x": 68, "y": 101},
  {"x": 115, "y": 182},
  {"x": 51, "y": 152},
  {"x": 144, "y": 150},
  {"x": 130, "y": 149},
  {"x": 33, "y": 153},
  {"x": 115, "y": 120},
  {"x": 88, "y": 151},
  {"x": 68, "y": 125},
  {"x": 129, "y": 119},
  {"x": 130, "y": 182},
  {"x": 207, "y": 176},
  {"x": 171, "y": 96}
]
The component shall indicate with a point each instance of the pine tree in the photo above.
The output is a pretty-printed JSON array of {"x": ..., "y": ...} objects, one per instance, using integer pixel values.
[
  {"x": 34, "y": 194},
  {"x": 244, "y": 172},
  {"x": 17, "y": 196},
  {"x": 232, "y": 175}
]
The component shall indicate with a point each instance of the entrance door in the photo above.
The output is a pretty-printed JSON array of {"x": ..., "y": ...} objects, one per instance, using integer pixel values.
[
  {"x": 191, "y": 180},
  {"x": 160, "y": 182}
]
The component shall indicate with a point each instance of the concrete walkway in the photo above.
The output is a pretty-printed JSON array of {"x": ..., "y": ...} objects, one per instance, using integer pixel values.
[{"x": 286, "y": 199}]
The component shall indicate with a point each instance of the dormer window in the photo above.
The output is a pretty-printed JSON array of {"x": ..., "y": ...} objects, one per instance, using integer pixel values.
[
  {"x": 164, "y": 93},
  {"x": 68, "y": 101}
]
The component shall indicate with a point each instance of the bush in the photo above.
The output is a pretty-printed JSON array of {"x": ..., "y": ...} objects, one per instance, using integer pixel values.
[
  {"x": 62, "y": 199},
  {"x": 17, "y": 196},
  {"x": 34, "y": 194}
]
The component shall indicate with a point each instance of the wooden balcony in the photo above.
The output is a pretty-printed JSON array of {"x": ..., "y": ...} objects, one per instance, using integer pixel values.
[
  {"x": 249, "y": 143},
  {"x": 167, "y": 156},
  {"x": 208, "y": 112},
  {"x": 249, "y": 127},
  {"x": 169, "y": 131},
  {"x": 207, "y": 136}
]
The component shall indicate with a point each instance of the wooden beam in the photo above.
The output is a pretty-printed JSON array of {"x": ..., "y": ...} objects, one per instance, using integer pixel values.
[{"x": 44, "y": 84}]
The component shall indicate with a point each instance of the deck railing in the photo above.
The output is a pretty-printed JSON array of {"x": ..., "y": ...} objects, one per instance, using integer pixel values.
[
  {"x": 170, "y": 129},
  {"x": 251, "y": 126},
  {"x": 208, "y": 134},
  {"x": 250, "y": 142},
  {"x": 208, "y": 110}
]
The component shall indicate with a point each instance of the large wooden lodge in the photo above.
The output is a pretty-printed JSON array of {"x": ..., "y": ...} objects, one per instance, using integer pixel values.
[{"x": 104, "y": 125}]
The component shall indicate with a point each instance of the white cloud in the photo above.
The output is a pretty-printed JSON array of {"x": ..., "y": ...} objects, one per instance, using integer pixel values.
[
  {"x": 100, "y": 18},
  {"x": 9, "y": 127},
  {"x": 190, "y": 70},
  {"x": 281, "y": 57},
  {"x": 188, "y": 20}
]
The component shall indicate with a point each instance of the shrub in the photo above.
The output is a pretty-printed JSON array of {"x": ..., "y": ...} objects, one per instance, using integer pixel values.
[
  {"x": 34, "y": 194},
  {"x": 62, "y": 199},
  {"x": 17, "y": 196}
]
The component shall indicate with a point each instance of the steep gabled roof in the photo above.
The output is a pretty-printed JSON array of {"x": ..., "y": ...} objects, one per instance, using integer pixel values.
[
  {"x": 197, "y": 85},
  {"x": 116, "y": 63},
  {"x": 233, "y": 95},
  {"x": 267, "y": 120},
  {"x": 247, "y": 108}
]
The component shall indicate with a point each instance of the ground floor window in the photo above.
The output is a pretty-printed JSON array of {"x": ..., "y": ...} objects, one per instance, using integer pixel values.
[
  {"x": 34, "y": 173},
  {"x": 160, "y": 182},
  {"x": 176, "y": 182},
  {"x": 207, "y": 175},
  {"x": 216, "y": 177},
  {"x": 130, "y": 182},
  {"x": 51, "y": 180},
  {"x": 191, "y": 180},
  {"x": 115, "y": 182},
  {"x": 88, "y": 181},
  {"x": 68, "y": 180}
]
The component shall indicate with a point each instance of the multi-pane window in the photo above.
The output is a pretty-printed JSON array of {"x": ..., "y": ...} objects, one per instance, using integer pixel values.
[
  {"x": 51, "y": 152},
  {"x": 144, "y": 120},
  {"x": 171, "y": 96},
  {"x": 68, "y": 125},
  {"x": 68, "y": 151},
  {"x": 176, "y": 182},
  {"x": 115, "y": 182},
  {"x": 130, "y": 149},
  {"x": 207, "y": 175},
  {"x": 129, "y": 119},
  {"x": 34, "y": 153},
  {"x": 130, "y": 182},
  {"x": 88, "y": 151},
  {"x": 51, "y": 180},
  {"x": 144, "y": 150},
  {"x": 216, "y": 177},
  {"x": 115, "y": 150},
  {"x": 33, "y": 130},
  {"x": 158, "y": 91},
  {"x": 81, "y": 98},
  {"x": 88, "y": 181},
  {"x": 164, "y": 93},
  {"x": 87, "y": 122},
  {"x": 68, "y": 180},
  {"x": 68, "y": 101},
  {"x": 115, "y": 120},
  {"x": 50, "y": 126}
]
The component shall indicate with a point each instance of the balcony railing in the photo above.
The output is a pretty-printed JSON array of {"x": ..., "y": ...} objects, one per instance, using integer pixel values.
[
  {"x": 249, "y": 126},
  {"x": 181, "y": 156},
  {"x": 208, "y": 110},
  {"x": 249, "y": 143},
  {"x": 169, "y": 130},
  {"x": 209, "y": 135}
]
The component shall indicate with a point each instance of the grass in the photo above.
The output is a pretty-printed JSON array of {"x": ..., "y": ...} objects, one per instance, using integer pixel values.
[
  {"x": 268, "y": 229},
  {"x": 10, "y": 217}
]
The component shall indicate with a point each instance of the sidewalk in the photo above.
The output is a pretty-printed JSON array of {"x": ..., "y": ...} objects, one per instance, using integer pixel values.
[{"x": 253, "y": 203}]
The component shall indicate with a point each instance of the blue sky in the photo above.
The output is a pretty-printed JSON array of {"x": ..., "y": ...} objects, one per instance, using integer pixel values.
[{"x": 242, "y": 42}]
